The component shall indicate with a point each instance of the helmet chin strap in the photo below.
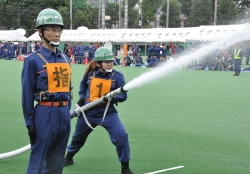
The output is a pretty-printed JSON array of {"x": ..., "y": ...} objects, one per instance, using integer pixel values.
[
  {"x": 105, "y": 71},
  {"x": 55, "y": 44}
]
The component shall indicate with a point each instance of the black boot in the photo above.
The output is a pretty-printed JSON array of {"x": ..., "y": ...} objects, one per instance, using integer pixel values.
[
  {"x": 235, "y": 74},
  {"x": 68, "y": 160},
  {"x": 125, "y": 168},
  {"x": 238, "y": 73}
]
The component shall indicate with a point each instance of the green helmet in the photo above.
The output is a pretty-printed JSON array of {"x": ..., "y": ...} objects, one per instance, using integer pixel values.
[
  {"x": 49, "y": 16},
  {"x": 103, "y": 54}
]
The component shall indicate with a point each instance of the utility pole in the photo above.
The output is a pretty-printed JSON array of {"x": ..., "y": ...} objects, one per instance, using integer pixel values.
[
  {"x": 99, "y": 13},
  {"x": 167, "y": 14},
  {"x": 215, "y": 12},
  {"x": 19, "y": 20},
  {"x": 119, "y": 24},
  {"x": 193, "y": 13},
  {"x": 70, "y": 13},
  {"x": 141, "y": 20},
  {"x": 103, "y": 14},
  {"x": 1, "y": 17},
  {"x": 126, "y": 14}
]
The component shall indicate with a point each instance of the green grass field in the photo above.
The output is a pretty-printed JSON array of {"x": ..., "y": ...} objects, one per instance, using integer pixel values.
[{"x": 196, "y": 119}]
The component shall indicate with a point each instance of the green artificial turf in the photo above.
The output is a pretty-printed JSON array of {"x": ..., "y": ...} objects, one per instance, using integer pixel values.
[{"x": 191, "y": 118}]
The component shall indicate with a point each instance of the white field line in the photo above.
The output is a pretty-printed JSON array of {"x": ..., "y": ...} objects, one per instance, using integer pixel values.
[{"x": 164, "y": 170}]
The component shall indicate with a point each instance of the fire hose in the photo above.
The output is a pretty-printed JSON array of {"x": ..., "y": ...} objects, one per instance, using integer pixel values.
[{"x": 75, "y": 113}]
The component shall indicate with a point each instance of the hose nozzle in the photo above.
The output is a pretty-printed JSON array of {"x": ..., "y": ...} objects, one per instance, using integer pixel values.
[{"x": 122, "y": 89}]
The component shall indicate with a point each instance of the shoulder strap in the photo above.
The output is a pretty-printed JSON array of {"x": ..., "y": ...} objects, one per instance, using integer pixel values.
[
  {"x": 112, "y": 74},
  {"x": 64, "y": 57},
  {"x": 41, "y": 56}
]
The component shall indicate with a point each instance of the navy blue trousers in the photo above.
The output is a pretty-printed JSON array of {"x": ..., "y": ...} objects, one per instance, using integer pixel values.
[
  {"x": 112, "y": 124},
  {"x": 237, "y": 65},
  {"x": 52, "y": 132}
]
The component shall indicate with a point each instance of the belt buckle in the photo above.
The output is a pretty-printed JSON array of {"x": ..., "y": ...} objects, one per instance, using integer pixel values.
[{"x": 60, "y": 103}]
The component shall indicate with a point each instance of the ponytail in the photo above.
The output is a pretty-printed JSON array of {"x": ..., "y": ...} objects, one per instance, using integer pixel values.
[{"x": 92, "y": 66}]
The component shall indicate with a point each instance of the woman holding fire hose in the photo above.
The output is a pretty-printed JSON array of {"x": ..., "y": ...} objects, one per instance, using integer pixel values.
[{"x": 98, "y": 80}]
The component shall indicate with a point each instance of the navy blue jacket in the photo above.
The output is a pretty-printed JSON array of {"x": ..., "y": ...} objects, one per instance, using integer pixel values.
[
  {"x": 117, "y": 82},
  {"x": 35, "y": 79}
]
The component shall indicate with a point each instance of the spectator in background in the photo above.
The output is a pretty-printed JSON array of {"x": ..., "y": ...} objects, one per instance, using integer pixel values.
[
  {"x": 151, "y": 50},
  {"x": 148, "y": 60},
  {"x": 177, "y": 50},
  {"x": 32, "y": 47},
  {"x": 24, "y": 48},
  {"x": 91, "y": 50},
  {"x": 138, "y": 60},
  {"x": 201, "y": 65},
  {"x": 214, "y": 64},
  {"x": 164, "y": 51},
  {"x": 221, "y": 65},
  {"x": 37, "y": 47},
  {"x": 1, "y": 50},
  {"x": 153, "y": 62},
  {"x": 18, "y": 48},
  {"x": 81, "y": 53},
  {"x": 135, "y": 50},
  {"x": 157, "y": 51},
  {"x": 74, "y": 51},
  {"x": 70, "y": 49},
  {"x": 128, "y": 60},
  {"x": 12, "y": 51},
  {"x": 116, "y": 61},
  {"x": 66, "y": 49}
]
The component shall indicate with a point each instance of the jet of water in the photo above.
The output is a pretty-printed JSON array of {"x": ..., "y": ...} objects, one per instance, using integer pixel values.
[{"x": 170, "y": 67}]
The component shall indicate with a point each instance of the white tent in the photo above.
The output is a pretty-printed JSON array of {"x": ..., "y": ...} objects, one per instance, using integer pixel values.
[
  {"x": 34, "y": 37},
  {"x": 4, "y": 33},
  {"x": 202, "y": 33},
  {"x": 208, "y": 33},
  {"x": 13, "y": 35}
]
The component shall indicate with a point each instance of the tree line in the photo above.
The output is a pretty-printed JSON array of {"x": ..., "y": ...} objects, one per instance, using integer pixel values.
[{"x": 141, "y": 14}]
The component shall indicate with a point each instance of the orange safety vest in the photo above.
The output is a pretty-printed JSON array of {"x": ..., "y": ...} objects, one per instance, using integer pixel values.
[
  {"x": 99, "y": 87},
  {"x": 59, "y": 75}
]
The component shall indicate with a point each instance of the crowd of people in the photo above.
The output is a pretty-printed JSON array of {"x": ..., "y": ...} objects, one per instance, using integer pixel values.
[
  {"x": 80, "y": 52},
  {"x": 10, "y": 50},
  {"x": 157, "y": 54}
]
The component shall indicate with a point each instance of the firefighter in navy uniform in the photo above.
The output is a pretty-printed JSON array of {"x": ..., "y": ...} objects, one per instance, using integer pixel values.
[
  {"x": 99, "y": 79},
  {"x": 238, "y": 55},
  {"x": 46, "y": 78}
]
